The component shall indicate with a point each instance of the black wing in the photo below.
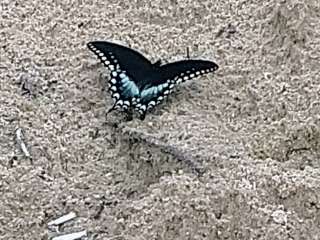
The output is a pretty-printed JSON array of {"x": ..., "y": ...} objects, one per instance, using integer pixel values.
[
  {"x": 136, "y": 81},
  {"x": 186, "y": 69},
  {"x": 128, "y": 69},
  {"x": 166, "y": 77},
  {"x": 127, "y": 59}
]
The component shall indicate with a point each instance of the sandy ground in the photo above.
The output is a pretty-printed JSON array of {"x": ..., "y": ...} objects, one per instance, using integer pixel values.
[{"x": 232, "y": 155}]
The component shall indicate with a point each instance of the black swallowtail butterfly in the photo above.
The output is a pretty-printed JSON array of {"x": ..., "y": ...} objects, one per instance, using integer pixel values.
[{"x": 137, "y": 83}]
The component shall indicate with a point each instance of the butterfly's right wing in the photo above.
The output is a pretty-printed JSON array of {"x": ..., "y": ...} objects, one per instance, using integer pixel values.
[
  {"x": 181, "y": 71},
  {"x": 126, "y": 67},
  {"x": 167, "y": 77}
]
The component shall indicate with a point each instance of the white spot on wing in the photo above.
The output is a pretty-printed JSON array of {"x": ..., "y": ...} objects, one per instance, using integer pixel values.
[
  {"x": 116, "y": 95},
  {"x": 114, "y": 88},
  {"x": 113, "y": 81},
  {"x": 143, "y": 107},
  {"x": 152, "y": 103}
]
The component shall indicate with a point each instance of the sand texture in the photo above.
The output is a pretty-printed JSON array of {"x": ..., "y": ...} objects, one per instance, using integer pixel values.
[{"x": 231, "y": 155}]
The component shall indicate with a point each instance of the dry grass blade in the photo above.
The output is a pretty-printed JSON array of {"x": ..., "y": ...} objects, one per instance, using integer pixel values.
[
  {"x": 20, "y": 139},
  {"x": 71, "y": 236}
]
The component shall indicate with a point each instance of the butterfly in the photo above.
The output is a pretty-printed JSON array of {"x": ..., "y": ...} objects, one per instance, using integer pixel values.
[{"x": 136, "y": 83}]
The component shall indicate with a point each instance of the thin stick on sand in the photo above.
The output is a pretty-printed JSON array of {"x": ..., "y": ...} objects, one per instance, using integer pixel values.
[
  {"x": 71, "y": 236},
  {"x": 20, "y": 141},
  {"x": 63, "y": 219}
]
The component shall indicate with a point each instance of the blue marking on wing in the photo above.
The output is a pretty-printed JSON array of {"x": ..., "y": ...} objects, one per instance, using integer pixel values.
[
  {"x": 150, "y": 97},
  {"x": 151, "y": 93},
  {"x": 128, "y": 88}
]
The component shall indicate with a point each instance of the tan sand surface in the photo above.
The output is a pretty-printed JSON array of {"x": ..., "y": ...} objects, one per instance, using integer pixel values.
[{"x": 231, "y": 155}]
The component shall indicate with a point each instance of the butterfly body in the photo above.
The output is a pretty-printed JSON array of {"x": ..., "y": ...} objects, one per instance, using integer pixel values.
[{"x": 137, "y": 83}]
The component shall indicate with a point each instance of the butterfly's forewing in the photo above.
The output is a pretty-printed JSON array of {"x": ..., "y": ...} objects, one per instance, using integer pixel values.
[
  {"x": 181, "y": 71},
  {"x": 167, "y": 77},
  {"x": 127, "y": 69},
  {"x": 129, "y": 60}
]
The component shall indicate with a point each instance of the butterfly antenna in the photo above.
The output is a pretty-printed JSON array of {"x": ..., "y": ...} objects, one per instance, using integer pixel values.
[{"x": 188, "y": 55}]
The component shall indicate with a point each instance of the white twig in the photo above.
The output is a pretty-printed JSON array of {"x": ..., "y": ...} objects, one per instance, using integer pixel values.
[
  {"x": 71, "y": 236},
  {"x": 62, "y": 219},
  {"x": 20, "y": 141}
]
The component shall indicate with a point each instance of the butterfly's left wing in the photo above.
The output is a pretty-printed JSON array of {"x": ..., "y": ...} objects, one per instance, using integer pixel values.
[
  {"x": 166, "y": 77},
  {"x": 127, "y": 69}
]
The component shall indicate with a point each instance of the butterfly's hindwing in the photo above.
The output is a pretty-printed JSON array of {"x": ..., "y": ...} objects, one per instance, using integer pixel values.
[
  {"x": 152, "y": 96},
  {"x": 124, "y": 91},
  {"x": 123, "y": 88}
]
